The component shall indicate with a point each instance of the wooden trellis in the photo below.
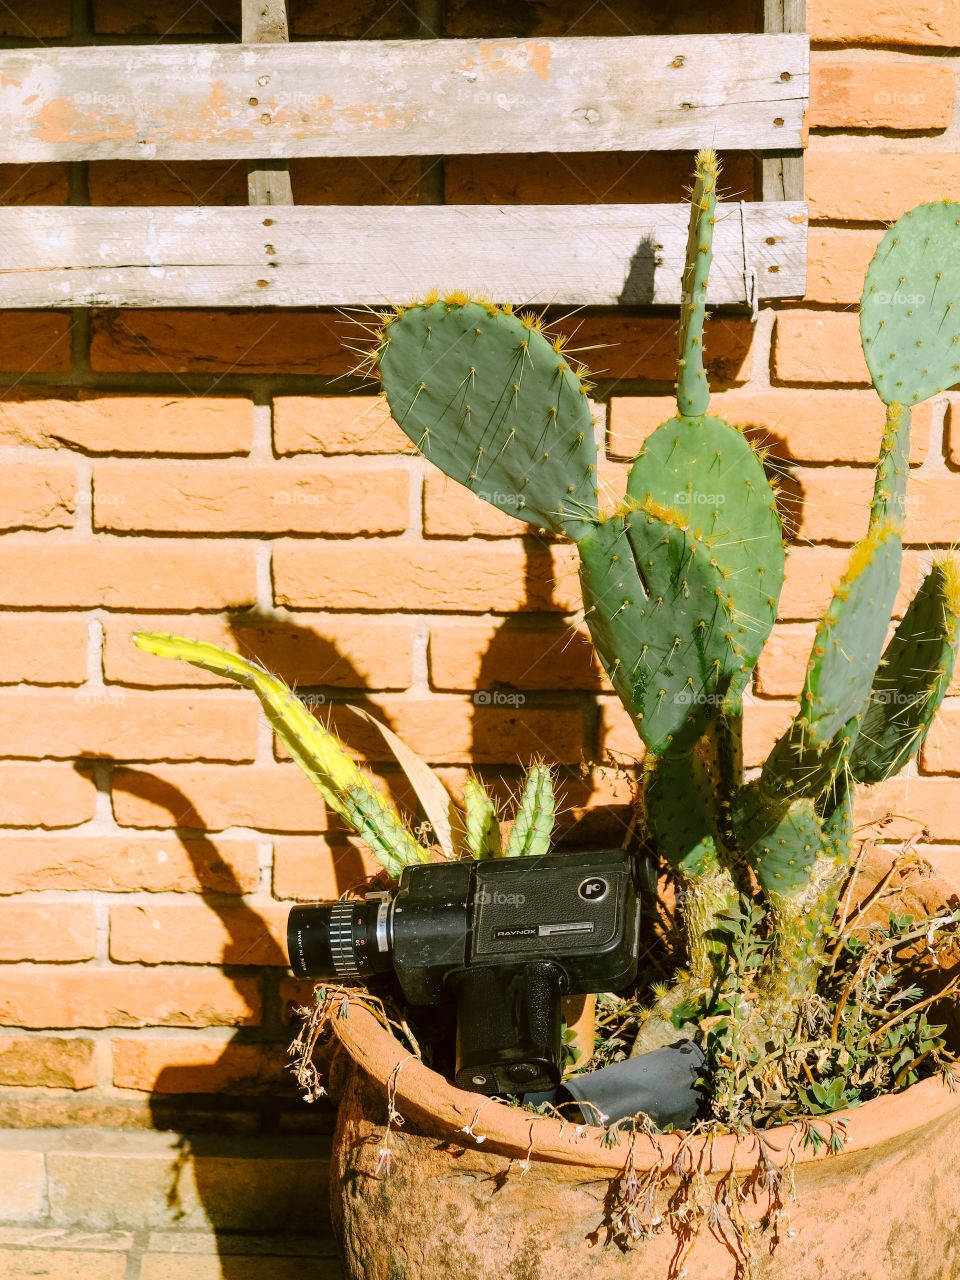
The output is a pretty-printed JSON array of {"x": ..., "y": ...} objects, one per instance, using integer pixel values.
[{"x": 266, "y": 100}]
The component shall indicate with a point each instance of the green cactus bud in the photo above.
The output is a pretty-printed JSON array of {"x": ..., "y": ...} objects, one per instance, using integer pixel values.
[
  {"x": 482, "y": 826},
  {"x": 533, "y": 825},
  {"x": 909, "y": 311},
  {"x": 693, "y": 391}
]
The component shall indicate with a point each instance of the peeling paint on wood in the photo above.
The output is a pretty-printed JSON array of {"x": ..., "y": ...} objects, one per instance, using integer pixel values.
[{"x": 400, "y": 97}]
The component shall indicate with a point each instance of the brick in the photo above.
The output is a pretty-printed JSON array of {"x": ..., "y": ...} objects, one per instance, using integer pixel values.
[
  {"x": 927, "y": 22},
  {"x": 129, "y": 725},
  {"x": 120, "y": 864},
  {"x": 43, "y": 996},
  {"x": 865, "y": 186},
  {"x": 306, "y": 648},
  {"x": 47, "y": 931},
  {"x": 618, "y": 733},
  {"x": 44, "y": 795},
  {"x": 836, "y": 500},
  {"x": 97, "y": 422},
  {"x": 813, "y": 572},
  {"x": 585, "y": 177},
  {"x": 483, "y": 655},
  {"x": 34, "y": 342},
  {"x": 42, "y": 648},
  {"x": 782, "y": 667},
  {"x": 916, "y": 803},
  {"x": 837, "y": 262},
  {"x": 38, "y": 495},
  {"x": 200, "y": 1066},
  {"x": 356, "y": 180},
  {"x": 940, "y": 752},
  {"x": 34, "y": 183},
  {"x": 163, "y": 573},
  {"x": 47, "y": 1062},
  {"x": 211, "y": 497},
  {"x": 336, "y": 424},
  {"x": 315, "y": 868},
  {"x": 176, "y": 182},
  {"x": 879, "y": 93},
  {"x": 646, "y": 347},
  {"x": 451, "y": 511},
  {"x": 404, "y": 573},
  {"x": 195, "y": 933},
  {"x": 953, "y": 430},
  {"x": 811, "y": 426},
  {"x": 218, "y": 342},
  {"x": 27, "y": 1264},
  {"x": 266, "y": 797},
  {"x": 275, "y": 797},
  {"x": 22, "y": 1187},
  {"x": 818, "y": 346},
  {"x": 43, "y": 18},
  {"x": 460, "y": 730},
  {"x": 259, "y": 1186},
  {"x": 763, "y": 723},
  {"x": 308, "y": 17}
]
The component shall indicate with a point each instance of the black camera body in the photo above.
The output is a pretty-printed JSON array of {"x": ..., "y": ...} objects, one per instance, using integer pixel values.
[{"x": 504, "y": 938}]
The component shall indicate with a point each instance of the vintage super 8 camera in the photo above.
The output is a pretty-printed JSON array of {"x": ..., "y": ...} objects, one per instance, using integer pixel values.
[{"x": 504, "y": 938}]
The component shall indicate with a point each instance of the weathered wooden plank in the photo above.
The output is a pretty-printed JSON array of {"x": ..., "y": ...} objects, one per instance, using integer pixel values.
[
  {"x": 402, "y": 97},
  {"x": 780, "y": 177},
  {"x": 302, "y": 256},
  {"x": 265, "y": 22}
]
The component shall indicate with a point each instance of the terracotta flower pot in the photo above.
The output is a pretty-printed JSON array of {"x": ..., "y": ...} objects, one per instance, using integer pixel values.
[{"x": 465, "y": 1188}]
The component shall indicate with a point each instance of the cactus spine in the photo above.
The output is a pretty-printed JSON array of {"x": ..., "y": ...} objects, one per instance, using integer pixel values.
[{"x": 681, "y": 582}]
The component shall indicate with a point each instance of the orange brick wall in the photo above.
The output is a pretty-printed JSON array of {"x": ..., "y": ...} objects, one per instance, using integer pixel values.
[{"x": 223, "y": 475}]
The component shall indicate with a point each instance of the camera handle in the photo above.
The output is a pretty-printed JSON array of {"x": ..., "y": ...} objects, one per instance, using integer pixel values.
[{"x": 508, "y": 1027}]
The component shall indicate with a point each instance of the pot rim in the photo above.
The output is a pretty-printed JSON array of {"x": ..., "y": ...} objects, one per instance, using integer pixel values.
[{"x": 420, "y": 1093}]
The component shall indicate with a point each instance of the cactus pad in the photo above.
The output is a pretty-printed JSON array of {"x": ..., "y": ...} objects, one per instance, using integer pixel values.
[
  {"x": 910, "y": 309},
  {"x": 849, "y": 638},
  {"x": 893, "y": 467},
  {"x": 783, "y": 856},
  {"x": 678, "y": 800},
  {"x": 494, "y": 404},
  {"x": 706, "y": 470},
  {"x": 660, "y": 621},
  {"x": 912, "y": 678}
]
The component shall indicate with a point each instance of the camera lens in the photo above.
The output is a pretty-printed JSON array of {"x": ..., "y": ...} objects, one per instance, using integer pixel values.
[{"x": 343, "y": 941}]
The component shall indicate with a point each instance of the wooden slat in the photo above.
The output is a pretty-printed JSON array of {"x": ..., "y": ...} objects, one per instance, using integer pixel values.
[
  {"x": 780, "y": 176},
  {"x": 265, "y": 22},
  {"x": 321, "y": 256},
  {"x": 402, "y": 97}
]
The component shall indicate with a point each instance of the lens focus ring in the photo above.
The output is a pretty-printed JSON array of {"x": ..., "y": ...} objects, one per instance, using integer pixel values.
[{"x": 341, "y": 942}]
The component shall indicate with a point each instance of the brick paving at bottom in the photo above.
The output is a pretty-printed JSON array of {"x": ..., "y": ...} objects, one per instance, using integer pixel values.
[
  {"x": 94, "y": 1204},
  {"x": 51, "y": 1253}
]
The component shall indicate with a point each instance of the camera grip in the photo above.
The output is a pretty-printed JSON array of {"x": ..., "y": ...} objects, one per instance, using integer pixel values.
[{"x": 508, "y": 1027}]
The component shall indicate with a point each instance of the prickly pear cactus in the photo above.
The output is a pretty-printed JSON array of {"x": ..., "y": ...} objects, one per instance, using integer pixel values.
[{"x": 681, "y": 582}]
